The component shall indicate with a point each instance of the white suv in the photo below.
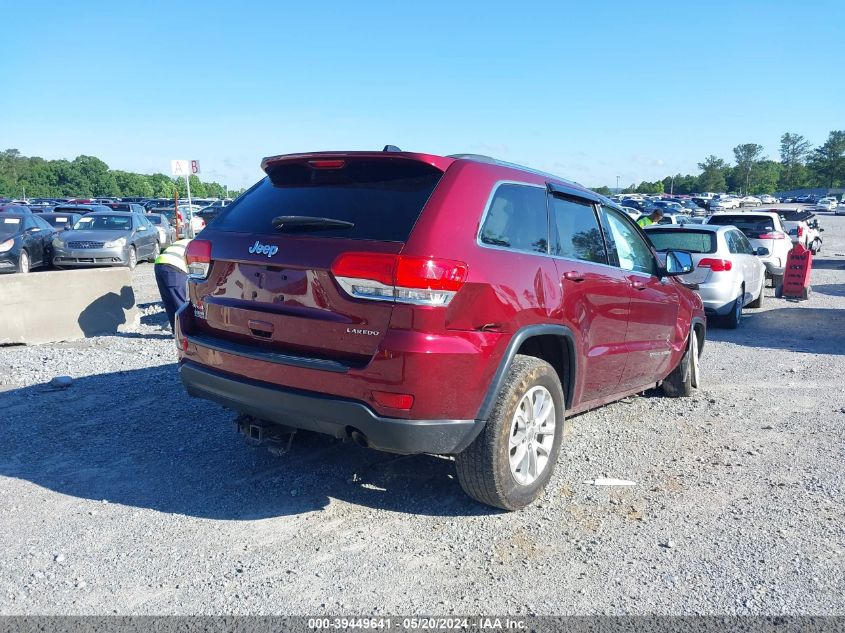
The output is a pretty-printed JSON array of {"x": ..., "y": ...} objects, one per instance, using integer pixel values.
[{"x": 764, "y": 229}]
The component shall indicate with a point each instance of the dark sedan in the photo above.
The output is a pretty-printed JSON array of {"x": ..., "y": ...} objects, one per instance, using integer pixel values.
[
  {"x": 80, "y": 208},
  {"x": 15, "y": 208},
  {"x": 25, "y": 242},
  {"x": 61, "y": 221}
]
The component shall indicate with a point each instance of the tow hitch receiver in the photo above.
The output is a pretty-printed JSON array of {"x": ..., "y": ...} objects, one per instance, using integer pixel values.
[{"x": 256, "y": 432}]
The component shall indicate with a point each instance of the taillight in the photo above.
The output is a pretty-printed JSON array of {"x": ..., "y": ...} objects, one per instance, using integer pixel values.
[
  {"x": 776, "y": 235},
  {"x": 716, "y": 265},
  {"x": 383, "y": 277},
  {"x": 198, "y": 258},
  {"x": 800, "y": 231}
]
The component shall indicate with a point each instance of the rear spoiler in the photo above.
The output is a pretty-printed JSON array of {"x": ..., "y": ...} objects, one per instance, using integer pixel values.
[{"x": 440, "y": 162}]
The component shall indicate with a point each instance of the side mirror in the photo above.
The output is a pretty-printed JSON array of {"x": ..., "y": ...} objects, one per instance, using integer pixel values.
[
  {"x": 678, "y": 263},
  {"x": 762, "y": 251}
]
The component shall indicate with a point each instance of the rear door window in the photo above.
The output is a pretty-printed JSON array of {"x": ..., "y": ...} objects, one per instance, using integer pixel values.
[
  {"x": 743, "y": 245},
  {"x": 517, "y": 218},
  {"x": 382, "y": 199},
  {"x": 577, "y": 234}
]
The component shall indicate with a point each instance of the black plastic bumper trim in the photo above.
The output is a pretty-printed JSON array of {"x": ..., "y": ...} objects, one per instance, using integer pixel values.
[{"x": 327, "y": 414}]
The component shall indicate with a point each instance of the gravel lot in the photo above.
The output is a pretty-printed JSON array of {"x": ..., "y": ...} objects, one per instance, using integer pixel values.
[{"x": 122, "y": 495}]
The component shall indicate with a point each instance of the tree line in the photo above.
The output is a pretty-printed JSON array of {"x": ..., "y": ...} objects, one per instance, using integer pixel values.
[
  {"x": 801, "y": 166},
  {"x": 88, "y": 176}
]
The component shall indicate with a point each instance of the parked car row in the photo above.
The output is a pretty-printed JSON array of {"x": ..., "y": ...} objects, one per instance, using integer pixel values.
[{"x": 66, "y": 240}]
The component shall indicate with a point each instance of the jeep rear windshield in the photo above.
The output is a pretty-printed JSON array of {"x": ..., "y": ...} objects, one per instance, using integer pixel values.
[
  {"x": 382, "y": 198},
  {"x": 680, "y": 240},
  {"x": 752, "y": 226}
]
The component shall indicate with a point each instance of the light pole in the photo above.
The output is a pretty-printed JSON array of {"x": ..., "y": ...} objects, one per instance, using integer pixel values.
[
  {"x": 617, "y": 184},
  {"x": 672, "y": 187}
]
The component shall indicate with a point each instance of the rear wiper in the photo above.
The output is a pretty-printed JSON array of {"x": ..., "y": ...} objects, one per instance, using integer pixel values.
[{"x": 308, "y": 223}]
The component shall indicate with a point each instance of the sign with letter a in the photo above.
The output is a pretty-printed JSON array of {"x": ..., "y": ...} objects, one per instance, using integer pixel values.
[{"x": 180, "y": 167}]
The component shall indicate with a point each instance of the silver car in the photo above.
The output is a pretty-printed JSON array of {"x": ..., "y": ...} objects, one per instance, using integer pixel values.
[
  {"x": 166, "y": 232},
  {"x": 114, "y": 238},
  {"x": 729, "y": 273}
]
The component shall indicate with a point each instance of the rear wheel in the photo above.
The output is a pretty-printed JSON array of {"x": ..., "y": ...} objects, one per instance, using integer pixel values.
[
  {"x": 509, "y": 464},
  {"x": 23, "y": 262},
  {"x": 685, "y": 377},
  {"x": 733, "y": 319}
]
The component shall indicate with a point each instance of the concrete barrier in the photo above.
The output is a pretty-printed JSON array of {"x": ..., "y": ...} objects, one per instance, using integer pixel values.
[{"x": 61, "y": 305}]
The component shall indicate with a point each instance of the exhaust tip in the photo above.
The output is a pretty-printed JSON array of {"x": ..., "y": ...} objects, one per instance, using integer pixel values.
[{"x": 359, "y": 438}]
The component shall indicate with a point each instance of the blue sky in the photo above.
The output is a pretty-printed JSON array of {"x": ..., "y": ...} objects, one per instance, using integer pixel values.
[{"x": 587, "y": 90}]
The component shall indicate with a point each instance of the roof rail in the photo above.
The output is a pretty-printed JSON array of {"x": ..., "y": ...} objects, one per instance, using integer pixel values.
[{"x": 480, "y": 158}]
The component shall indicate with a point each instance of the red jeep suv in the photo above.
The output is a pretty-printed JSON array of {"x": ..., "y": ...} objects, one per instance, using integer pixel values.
[{"x": 426, "y": 304}]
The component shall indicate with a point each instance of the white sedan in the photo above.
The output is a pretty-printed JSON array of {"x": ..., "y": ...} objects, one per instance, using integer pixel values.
[
  {"x": 750, "y": 201},
  {"x": 826, "y": 204},
  {"x": 767, "y": 199}
]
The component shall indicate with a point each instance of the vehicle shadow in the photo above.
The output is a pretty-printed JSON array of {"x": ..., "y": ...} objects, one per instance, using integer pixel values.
[
  {"x": 822, "y": 263},
  {"x": 136, "y": 438},
  {"x": 833, "y": 290},
  {"x": 796, "y": 328}
]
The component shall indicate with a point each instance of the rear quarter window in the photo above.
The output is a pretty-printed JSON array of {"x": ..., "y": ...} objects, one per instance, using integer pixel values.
[{"x": 381, "y": 198}]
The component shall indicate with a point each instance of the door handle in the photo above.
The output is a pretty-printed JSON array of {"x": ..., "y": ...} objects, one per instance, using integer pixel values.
[
  {"x": 573, "y": 275},
  {"x": 261, "y": 329},
  {"x": 636, "y": 284}
]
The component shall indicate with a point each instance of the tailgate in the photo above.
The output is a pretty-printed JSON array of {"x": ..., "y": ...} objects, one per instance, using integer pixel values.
[
  {"x": 290, "y": 302},
  {"x": 270, "y": 281}
]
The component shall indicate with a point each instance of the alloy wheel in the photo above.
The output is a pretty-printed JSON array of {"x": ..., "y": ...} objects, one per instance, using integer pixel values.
[{"x": 532, "y": 435}]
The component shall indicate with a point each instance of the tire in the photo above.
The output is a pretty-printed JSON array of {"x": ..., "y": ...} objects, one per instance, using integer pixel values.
[
  {"x": 23, "y": 263},
  {"x": 132, "y": 259},
  {"x": 685, "y": 377},
  {"x": 156, "y": 252},
  {"x": 805, "y": 294},
  {"x": 758, "y": 302},
  {"x": 777, "y": 282},
  {"x": 733, "y": 319},
  {"x": 489, "y": 469}
]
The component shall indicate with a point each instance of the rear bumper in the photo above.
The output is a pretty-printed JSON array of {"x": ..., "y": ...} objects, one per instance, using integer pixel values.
[
  {"x": 774, "y": 265},
  {"x": 325, "y": 414},
  {"x": 718, "y": 299}
]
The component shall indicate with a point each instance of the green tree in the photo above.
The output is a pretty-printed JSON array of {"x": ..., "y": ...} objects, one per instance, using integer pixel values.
[
  {"x": 713, "y": 173},
  {"x": 767, "y": 174},
  {"x": 135, "y": 185},
  {"x": 747, "y": 155},
  {"x": 827, "y": 163},
  {"x": 603, "y": 191},
  {"x": 197, "y": 187},
  {"x": 163, "y": 185},
  {"x": 794, "y": 150}
]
